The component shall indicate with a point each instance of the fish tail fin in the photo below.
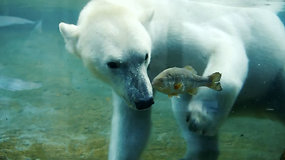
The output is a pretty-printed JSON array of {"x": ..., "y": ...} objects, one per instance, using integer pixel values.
[
  {"x": 38, "y": 26},
  {"x": 215, "y": 81},
  {"x": 215, "y": 77},
  {"x": 216, "y": 86}
]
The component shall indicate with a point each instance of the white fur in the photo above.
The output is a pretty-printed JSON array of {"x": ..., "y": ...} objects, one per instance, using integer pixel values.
[{"x": 245, "y": 44}]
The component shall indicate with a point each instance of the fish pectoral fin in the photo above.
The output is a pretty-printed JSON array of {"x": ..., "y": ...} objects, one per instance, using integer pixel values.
[
  {"x": 193, "y": 91},
  {"x": 177, "y": 86},
  {"x": 191, "y": 69}
]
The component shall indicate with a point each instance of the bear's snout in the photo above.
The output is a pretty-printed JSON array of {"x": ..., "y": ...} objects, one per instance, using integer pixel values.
[{"x": 144, "y": 103}]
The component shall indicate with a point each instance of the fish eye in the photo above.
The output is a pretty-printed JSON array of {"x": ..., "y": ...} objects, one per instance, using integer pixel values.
[
  {"x": 113, "y": 65},
  {"x": 146, "y": 56}
]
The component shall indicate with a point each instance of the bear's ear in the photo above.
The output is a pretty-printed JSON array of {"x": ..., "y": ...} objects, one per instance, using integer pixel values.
[
  {"x": 70, "y": 34},
  {"x": 146, "y": 17}
]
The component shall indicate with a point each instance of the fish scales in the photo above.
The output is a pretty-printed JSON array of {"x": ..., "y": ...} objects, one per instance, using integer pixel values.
[{"x": 187, "y": 78}]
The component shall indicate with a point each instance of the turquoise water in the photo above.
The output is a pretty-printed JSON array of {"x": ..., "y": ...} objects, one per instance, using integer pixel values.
[{"x": 51, "y": 107}]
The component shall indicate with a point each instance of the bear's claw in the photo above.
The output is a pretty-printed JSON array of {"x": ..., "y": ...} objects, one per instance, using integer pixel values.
[
  {"x": 192, "y": 125},
  {"x": 199, "y": 125}
]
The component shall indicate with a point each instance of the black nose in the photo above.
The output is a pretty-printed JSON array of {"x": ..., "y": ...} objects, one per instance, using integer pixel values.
[{"x": 144, "y": 104}]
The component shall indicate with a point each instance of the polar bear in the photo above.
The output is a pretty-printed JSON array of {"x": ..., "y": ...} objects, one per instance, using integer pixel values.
[{"x": 126, "y": 43}]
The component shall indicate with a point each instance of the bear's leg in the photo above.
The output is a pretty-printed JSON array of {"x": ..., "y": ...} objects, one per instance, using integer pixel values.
[
  {"x": 209, "y": 108},
  {"x": 199, "y": 147},
  {"x": 130, "y": 131},
  {"x": 203, "y": 114}
]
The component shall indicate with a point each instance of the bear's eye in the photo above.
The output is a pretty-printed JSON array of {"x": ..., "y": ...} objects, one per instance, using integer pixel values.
[
  {"x": 113, "y": 65},
  {"x": 146, "y": 56}
]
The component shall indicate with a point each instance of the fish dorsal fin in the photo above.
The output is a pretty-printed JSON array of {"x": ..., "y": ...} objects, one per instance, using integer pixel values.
[{"x": 191, "y": 69}]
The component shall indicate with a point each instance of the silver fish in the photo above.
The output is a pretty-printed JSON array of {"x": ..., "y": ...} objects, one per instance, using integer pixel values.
[
  {"x": 10, "y": 20},
  {"x": 13, "y": 84},
  {"x": 174, "y": 81},
  {"x": 6, "y": 21}
]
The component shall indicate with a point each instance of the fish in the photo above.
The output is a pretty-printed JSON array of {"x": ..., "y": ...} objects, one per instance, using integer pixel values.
[
  {"x": 14, "y": 84},
  {"x": 11, "y": 20},
  {"x": 6, "y": 21},
  {"x": 174, "y": 81}
]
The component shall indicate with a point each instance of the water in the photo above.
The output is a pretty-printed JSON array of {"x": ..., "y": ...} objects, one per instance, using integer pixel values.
[{"x": 51, "y": 107}]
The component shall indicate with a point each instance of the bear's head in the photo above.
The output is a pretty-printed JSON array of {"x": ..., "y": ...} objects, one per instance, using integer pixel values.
[{"x": 114, "y": 44}]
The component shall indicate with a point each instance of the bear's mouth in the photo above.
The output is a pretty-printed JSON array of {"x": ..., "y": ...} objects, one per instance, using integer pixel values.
[
  {"x": 140, "y": 104},
  {"x": 144, "y": 104}
]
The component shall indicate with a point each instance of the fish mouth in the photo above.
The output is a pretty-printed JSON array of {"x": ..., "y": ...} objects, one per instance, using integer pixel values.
[
  {"x": 157, "y": 87},
  {"x": 156, "y": 84}
]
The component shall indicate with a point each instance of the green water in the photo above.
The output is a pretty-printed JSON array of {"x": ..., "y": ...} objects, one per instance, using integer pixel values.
[{"x": 68, "y": 114}]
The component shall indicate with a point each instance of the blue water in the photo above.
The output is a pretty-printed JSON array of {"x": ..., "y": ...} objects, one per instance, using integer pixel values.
[{"x": 51, "y": 107}]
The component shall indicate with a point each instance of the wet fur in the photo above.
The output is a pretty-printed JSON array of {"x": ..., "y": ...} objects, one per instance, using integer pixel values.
[{"x": 239, "y": 42}]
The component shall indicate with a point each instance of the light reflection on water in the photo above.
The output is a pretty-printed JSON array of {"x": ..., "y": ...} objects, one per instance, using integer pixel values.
[{"x": 51, "y": 107}]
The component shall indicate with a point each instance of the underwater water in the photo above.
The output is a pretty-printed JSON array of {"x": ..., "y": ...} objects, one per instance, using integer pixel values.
[{"x": 52, "y": 107}]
